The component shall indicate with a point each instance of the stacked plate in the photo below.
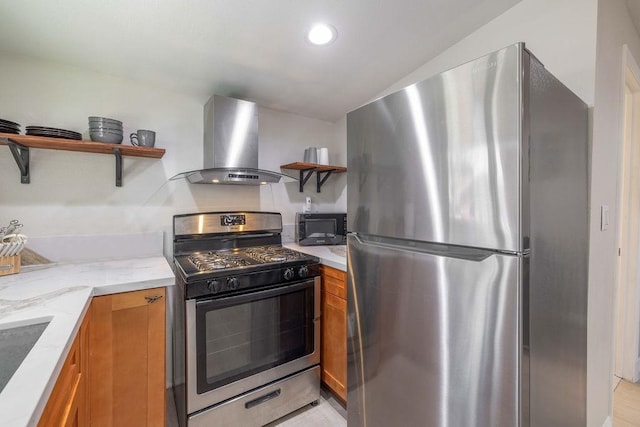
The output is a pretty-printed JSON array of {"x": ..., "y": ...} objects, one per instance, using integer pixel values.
[
  {"x": 106, "y": 130},
  {"x": 53, "y": 132},
  {"x": 9, "y": 127}
]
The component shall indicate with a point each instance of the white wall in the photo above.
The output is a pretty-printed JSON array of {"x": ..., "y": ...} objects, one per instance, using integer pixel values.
[
  {"x": 74, "y": 193},
  {"x": 614, "y": 30},
  {"x": 562, "y": 34},
  {"x": 280, "y": 145}
]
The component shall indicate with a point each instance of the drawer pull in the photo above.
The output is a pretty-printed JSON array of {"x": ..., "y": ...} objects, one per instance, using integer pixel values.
[
  {"x": 153, "y": 299},
  {"x": 6, "y": 267},
  {"x": 255, "y": 402}
]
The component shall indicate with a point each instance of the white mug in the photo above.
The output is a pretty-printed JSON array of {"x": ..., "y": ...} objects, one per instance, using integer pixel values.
[{"x": 323, "y": 156}]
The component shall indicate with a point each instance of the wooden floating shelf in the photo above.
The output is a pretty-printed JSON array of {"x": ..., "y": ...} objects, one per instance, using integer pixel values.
[
  {"x": 81, "y": 146},
  {"x": 20, "y": 145},
  {"x": 307, "y": 166},
  {"x": 310, "y": 168}
]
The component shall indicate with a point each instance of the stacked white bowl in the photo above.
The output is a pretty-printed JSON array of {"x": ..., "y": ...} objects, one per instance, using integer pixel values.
[{"x": 102, "y": 129}]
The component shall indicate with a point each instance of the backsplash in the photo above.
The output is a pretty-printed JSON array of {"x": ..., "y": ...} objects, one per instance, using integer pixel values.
[{"x": 86, "y": 248}]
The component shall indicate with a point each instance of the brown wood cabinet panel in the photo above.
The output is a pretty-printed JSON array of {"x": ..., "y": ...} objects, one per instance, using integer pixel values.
[
  {"x": 333, "y": 355},
  {"x": 68, "y": 403},
  {"x": 334, "y": 281},
  {"x": 127, "y": 356}
]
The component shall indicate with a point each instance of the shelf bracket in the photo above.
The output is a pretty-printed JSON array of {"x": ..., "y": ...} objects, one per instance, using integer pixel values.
[
  {"x": 118, "y": 154},
  {"x": 21, "y": 156},
  {"x": 304, "y": 179},
  {"x": 321, "y": 179}
]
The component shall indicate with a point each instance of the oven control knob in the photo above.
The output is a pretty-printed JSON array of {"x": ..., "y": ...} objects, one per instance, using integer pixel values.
[
  {"x": 215, "y": 286},
  {"x": 288, "y": 274},
  {"x": 303, "y": 272},
  {"x": 232, "y": 283}
]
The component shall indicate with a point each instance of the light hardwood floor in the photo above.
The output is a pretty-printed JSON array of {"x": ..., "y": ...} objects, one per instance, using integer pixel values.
[
  {"x": 626, "y": 405},
  {"x": 626, "y": 410}
]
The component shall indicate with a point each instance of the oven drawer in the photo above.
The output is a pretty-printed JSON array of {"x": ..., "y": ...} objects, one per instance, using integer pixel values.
[{"x": 263, "y": 405}]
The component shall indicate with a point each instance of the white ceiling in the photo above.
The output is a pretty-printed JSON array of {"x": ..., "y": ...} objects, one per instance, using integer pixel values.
[{"x": 251, "y": 49}]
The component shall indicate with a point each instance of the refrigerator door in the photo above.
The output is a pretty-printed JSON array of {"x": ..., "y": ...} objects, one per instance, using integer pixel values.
[
  {"x": 439, "y": 161},
  {"x": 432, "y": 335}
]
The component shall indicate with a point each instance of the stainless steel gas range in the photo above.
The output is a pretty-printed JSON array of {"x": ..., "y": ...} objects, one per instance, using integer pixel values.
[{"x": 247, "y": 321}]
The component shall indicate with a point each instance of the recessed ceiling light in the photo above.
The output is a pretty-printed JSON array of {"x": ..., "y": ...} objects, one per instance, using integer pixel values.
[{"x": 321, "y": 34}]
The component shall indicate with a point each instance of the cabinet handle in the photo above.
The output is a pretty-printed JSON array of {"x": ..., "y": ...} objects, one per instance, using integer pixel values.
[{"x": 153, "y": 299}]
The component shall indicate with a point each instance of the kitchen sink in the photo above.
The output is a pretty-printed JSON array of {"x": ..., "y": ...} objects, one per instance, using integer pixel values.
[{"x": 16, "y": 341}]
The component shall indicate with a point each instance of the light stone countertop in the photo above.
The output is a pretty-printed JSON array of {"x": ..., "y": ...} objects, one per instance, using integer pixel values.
[
  {"x": 61, "y": 294},
  {"x": 331, "y": 255}
]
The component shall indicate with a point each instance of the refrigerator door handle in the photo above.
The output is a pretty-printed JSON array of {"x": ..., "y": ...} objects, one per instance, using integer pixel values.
[{"x": 439, "y": 249}]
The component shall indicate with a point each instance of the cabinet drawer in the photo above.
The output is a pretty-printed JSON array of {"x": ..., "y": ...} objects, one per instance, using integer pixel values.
[
  {"x": 334, "y": 281},
  {"x": 128, "y": 300},
  {"x": 63, "y": 399}
]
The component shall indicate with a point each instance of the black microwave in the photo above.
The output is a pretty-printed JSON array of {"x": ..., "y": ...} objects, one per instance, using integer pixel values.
[{"x": 321, "y": 229}]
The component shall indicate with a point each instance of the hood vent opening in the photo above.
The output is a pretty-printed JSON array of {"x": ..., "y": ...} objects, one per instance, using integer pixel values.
[{"x": 231, "y": 145}]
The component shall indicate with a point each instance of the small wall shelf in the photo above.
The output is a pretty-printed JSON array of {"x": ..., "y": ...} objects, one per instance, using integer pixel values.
[
  {"x": 307, "y": 169},
  {"x": 20, "y": 145}
]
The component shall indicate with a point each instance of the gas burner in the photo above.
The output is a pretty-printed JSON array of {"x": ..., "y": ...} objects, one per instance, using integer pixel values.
[
  {"x": 273, "y": 254},
  {"x": 217, "y": 261}
]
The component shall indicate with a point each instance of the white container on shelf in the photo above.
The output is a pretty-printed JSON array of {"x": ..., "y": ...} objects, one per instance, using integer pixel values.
[{"x": 323, "y": 156}]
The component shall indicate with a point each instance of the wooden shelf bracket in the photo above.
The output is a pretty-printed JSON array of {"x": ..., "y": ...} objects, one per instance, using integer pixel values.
[
  {"x": 321, "y": 179},
  {"x": 118, "y": 154},
  {"x": 304, "y": 178},
  {"x": 323, "y": 172},
  {"x": 21, "y": 156}
]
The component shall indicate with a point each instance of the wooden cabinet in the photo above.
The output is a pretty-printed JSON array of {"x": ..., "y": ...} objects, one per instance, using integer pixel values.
[
  {"x": 127, "y": 357},
  {"x": 333, "y": 355},
  {"x": 68, "y": 404}
]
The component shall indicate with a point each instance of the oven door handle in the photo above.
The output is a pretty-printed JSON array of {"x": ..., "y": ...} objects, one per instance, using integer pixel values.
[
  {"x": 239, "y": 299},
  {"x": 260, "y": 400}
]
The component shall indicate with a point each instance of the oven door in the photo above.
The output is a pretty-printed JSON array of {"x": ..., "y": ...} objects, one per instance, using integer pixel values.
[{"x": 238, "y": 343}]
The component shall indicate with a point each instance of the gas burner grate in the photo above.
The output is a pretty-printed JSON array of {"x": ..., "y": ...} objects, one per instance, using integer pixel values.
[
  {"x": 217, "y": 261},
  {"x": 273, "y": 254}
]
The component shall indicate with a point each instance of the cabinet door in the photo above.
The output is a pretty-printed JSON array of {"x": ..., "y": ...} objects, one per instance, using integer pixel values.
[
  {"x": 68, "y": 404},
  {"x": 127, "y": 358},
  {"x": 334, "y": 343},
  {"x": 334, "y": 281}
]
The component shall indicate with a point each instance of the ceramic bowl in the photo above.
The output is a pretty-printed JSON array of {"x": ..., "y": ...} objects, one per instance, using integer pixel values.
[
  {"x": 108, "y": 137},
  {"x": 114, "y": 129},
  {"x": 104, "y": 120}
]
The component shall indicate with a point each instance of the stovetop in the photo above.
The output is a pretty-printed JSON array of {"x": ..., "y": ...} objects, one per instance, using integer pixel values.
[
  {"x": 240, "y": 260},
  {"x": 225, "y": 272},
  {"x": 220, "y": 254}
]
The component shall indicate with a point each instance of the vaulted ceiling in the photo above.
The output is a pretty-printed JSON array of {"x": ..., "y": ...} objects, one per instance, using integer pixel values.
[{"x": 251, "y": 49}]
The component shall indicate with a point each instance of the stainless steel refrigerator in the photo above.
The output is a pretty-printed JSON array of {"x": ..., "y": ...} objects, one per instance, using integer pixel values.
[{"x": 467, "y": 253}]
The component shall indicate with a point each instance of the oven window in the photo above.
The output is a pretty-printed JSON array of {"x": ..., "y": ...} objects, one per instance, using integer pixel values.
[
  {"x": 320, "y": 227},
  {"x": 238, "y": 340}
]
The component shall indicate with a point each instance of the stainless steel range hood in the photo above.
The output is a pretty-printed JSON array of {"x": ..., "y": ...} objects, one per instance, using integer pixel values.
[{"x": 230, "y": 145}]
